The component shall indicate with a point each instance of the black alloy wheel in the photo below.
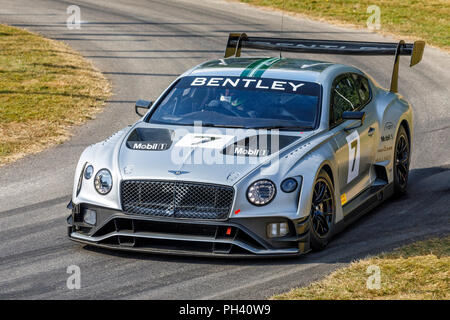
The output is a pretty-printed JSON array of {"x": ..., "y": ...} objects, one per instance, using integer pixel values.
[
  {"x": 401, "y": 162},
  {"x": 322, "y": 211}
]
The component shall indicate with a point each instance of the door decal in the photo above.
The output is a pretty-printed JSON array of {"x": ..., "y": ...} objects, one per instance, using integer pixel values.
[{"x": 353, "y": 155}]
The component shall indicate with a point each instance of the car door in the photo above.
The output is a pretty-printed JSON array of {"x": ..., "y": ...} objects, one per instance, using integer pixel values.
[{"x": 355, "y": 142}]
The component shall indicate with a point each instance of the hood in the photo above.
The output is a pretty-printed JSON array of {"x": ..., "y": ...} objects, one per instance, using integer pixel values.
[{"x": 200, "y": 154}]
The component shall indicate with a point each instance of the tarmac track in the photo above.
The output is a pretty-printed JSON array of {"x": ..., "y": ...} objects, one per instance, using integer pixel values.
[{"x": 142, "y": 46}]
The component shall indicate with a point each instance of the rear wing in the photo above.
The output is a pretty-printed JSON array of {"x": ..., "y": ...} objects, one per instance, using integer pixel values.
[{"x": 237, "y": 41}]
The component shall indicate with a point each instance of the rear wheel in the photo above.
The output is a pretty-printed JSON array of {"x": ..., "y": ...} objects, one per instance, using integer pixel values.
[
  {"x": 401, "y": 162},
  {"x": 323, "y": 211}
]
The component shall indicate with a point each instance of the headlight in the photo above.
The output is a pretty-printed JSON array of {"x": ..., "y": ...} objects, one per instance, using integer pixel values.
[
  {"x": 88, "y": 172},
  {"x": 261, "y": 192},
  {"x": 103, "y": 181},
  {"x": 289, "y": 185},
  {"x": 80, "y": 180}
]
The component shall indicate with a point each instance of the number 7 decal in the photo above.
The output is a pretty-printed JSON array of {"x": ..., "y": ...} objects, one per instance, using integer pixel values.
[{"x": 353, "y": 155}]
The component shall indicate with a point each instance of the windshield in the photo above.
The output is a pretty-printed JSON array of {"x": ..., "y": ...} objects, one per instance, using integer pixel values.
[{"x": 240, "y": 102}]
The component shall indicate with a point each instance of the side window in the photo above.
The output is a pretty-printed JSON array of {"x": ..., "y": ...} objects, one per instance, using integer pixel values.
[
  {"x": 345, "y": 97},
  {"x": 363, "y": 90}
]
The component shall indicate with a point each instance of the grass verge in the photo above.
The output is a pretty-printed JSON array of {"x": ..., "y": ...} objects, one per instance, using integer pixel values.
[
  {"x": 427, "y": 20},
  {"x": 45, "y": 88},
  {"x": 417, "y": 271}
]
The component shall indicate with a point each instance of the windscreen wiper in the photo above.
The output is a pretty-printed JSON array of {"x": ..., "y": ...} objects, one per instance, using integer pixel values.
[
  {"x": 282, "y": 128},
  {"x": 223, "y": 126}
]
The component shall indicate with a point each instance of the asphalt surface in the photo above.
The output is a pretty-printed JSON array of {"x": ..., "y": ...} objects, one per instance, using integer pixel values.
[{"x": 142, "y": 46}]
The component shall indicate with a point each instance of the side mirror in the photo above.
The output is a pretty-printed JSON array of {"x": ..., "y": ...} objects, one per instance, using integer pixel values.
[
  {"x": 354, "y": 115},
  {"x": 142, "y": 104}
]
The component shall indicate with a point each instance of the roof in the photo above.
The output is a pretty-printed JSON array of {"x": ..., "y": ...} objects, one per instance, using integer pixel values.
[{"x": 267, "y": 67}]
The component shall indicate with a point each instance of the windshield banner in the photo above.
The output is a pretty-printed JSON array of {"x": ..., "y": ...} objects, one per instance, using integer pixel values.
[{"x": 243, "y": 83}]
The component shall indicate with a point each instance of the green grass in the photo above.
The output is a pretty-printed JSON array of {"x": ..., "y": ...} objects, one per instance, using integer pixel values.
[
  {"x": 417, "y": 271},
  {"x": 45, "y": 87},
  {"x": 427, "y": 20}
]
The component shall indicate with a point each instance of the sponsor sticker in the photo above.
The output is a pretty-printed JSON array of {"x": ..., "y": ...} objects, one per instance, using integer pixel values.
[
  {"x": 388, "y": 126},
  {"x": 387, "y": 137},
  {"x": 252, "y": 152},
  {"x": 385, "y": 148},
  {"x": 343, "y": 199},
  {"x": 261, "y": 145},
  {"x": 209, "y": 141},
  {"x": 138, "y": 145}
]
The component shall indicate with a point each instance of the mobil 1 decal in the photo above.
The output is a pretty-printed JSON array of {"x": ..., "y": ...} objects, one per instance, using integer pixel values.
[
  {"x": 353, "y": 155},
  {"x": 261, "y": 145},
  {"x": 150, "y": 139},
  {"x": 248, "y": 83}
]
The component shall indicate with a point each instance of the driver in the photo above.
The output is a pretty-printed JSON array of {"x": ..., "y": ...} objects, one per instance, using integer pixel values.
[{"x": 233, "y": 100}]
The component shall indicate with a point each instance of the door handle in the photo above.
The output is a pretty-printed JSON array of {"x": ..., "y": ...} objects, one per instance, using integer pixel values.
[{"x": 371, "y": 131}]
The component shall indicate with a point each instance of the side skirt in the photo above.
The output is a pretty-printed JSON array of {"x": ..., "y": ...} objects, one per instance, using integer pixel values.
[{"x": 364, "y": 202}]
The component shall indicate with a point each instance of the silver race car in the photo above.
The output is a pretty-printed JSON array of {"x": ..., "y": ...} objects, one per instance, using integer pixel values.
[{"x": 246, "y": 156}]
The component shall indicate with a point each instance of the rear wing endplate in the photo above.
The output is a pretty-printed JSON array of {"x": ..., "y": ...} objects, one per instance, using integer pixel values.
[{"x": 237, "y": 41}]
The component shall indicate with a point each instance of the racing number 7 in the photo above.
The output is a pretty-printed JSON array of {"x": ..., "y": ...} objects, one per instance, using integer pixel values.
[
  {"x": 354, "y": 146},
  {"x": 353, "y": 155}
]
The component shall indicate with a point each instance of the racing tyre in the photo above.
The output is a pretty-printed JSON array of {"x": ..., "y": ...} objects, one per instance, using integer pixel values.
[
  {"x": 323, "y": 211},
  {"x": 401, "y": 162}
]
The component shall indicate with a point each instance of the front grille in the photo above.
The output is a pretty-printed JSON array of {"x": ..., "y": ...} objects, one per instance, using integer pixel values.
[{"x": 176, "y": 199}]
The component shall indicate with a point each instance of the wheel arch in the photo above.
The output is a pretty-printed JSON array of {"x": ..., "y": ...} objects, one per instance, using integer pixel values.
[
  {"x": 394, "y": 112},
  {"x": 405, "y": 125},
  {"x": 326, "y": 167},
  {"x": 305, "y": 199}
]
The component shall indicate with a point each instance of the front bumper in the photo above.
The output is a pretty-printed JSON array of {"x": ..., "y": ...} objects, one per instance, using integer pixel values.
[{"x": 235, "y": 237}]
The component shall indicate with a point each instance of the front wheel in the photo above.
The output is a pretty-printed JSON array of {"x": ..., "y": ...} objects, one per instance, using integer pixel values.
[
  {"x": 401, "y": 162},
  {"x": 323, "y": 211}
]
